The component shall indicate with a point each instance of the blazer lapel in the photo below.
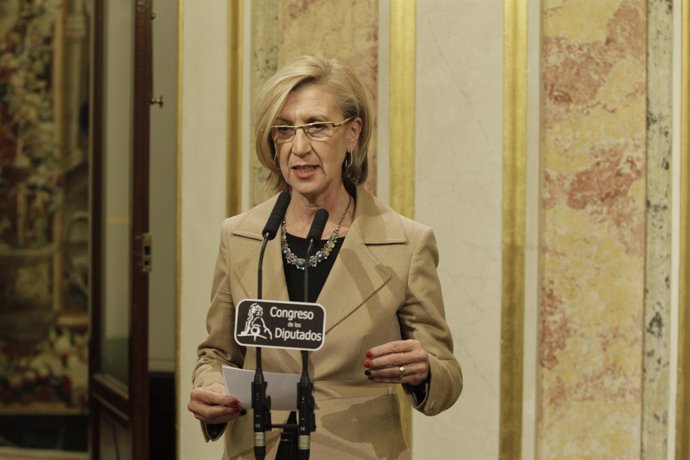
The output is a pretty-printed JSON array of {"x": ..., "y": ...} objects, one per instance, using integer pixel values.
[
  {"x": 274, "y": 284},
  {"x": 359, "y": 274},
  {"x": 355, "y": 278},
  {"x": 246, "y": 256}
]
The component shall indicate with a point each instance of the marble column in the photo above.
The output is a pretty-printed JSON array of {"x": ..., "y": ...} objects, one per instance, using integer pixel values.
[{"x": 593, "y": 229}]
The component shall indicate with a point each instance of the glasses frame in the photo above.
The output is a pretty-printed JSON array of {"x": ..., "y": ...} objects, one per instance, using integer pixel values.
[{"x": 294, "y": 128}]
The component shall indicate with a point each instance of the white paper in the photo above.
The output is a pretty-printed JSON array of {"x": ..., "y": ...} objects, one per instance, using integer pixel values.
[{"x": 282, "y": 388}]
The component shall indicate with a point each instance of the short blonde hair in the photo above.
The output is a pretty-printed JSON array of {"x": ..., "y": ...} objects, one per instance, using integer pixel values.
[{"x": 349, "y": 93}]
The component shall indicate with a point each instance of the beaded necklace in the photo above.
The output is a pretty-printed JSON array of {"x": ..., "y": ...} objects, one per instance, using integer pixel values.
[{"x": 322, "y": 254}]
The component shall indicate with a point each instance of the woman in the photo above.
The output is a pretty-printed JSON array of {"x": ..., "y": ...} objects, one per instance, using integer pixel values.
[{"x": 377, "y": 281}]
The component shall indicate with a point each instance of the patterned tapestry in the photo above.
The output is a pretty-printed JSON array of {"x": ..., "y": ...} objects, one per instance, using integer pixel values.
[{"x": 43, "y": 220}]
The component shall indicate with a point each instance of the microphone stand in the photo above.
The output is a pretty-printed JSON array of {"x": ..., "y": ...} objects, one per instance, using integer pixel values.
[
  {"x": 261, "y": 405},
  {"x": 305, "y": 399}
]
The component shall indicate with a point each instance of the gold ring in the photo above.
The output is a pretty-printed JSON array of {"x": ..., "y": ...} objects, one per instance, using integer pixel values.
[{"x": 402, "y": 371}]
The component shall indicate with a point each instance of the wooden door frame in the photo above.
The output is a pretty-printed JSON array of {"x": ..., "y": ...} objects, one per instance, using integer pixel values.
[
  {"x": 124, "y": 404},
  {"x": 139, "y": 318}
]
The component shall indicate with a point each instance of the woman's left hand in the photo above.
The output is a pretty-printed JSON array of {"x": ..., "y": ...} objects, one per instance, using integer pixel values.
[{"x": 400, "y": 361}]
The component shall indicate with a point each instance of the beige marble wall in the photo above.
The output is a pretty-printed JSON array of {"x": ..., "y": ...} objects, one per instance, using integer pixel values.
[
  {"x": 593, "y": 229},
  {"x": 458, "y": 181},
  {"x": 202, "y": 181}
]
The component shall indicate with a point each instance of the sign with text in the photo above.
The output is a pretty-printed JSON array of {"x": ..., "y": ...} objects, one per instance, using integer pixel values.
[{"x": 275, "y": 324}]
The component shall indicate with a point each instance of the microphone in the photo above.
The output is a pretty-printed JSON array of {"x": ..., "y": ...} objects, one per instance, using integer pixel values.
[
  {"x": 276, "y": 217},
  {"x": 261, "y": 405},
  {"x": 305, "y": 400},
  {"x": 269, "y": 232},
  {"x": 317, "y": 225},
  {"x": 315, "y": 232}
]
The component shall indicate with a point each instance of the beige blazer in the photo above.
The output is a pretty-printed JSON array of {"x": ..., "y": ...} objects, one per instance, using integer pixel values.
[{"x": 383, "y": 286}]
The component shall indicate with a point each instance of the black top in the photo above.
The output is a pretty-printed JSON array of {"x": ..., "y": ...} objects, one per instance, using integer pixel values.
[{"x": 317, "y": 275}]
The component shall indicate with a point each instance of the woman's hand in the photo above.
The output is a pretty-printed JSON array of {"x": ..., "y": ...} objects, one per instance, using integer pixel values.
[
  {"x": 210, "y": 404},
  {"x": 400, "y": 361}
]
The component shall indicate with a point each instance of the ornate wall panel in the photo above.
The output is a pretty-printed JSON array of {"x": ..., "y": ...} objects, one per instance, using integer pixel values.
[{"x": 593, "y": 228}]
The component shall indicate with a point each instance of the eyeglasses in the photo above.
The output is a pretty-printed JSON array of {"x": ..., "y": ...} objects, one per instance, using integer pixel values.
[{"x": 316, "y": 131}]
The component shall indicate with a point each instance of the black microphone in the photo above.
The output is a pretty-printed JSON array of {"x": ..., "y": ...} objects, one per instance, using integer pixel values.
[
  {"x": 269, "y": 232},
  {"x": 317, "y": 225},
  {"x": 261, "y": 405},
  {"x": 276, "y": 217},
  {"x": 305, "y": 400},
  {"x": 315, "y": 232}
]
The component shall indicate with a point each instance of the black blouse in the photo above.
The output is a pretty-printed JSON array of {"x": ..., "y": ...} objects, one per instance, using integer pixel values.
[{"x": 317, "y": 275}]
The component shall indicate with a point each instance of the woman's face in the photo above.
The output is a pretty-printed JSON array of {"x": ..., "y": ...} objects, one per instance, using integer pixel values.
[{"x": 312, "y": 167}]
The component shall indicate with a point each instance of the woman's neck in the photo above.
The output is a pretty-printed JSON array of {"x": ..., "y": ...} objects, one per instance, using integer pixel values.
[{"x": 300, "y": 213}]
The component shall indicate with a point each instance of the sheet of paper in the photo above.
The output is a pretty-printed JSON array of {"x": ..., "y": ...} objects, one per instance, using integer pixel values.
[{"x": 282, "y": 388}]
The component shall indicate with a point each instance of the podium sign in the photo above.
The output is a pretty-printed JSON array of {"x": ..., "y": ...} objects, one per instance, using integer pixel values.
[{"x": 274, "y": 324}]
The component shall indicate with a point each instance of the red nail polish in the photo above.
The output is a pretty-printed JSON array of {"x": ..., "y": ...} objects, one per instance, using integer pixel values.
[
  {"x": 367, "y": 363},
  {"x": 370, "y": 354}
]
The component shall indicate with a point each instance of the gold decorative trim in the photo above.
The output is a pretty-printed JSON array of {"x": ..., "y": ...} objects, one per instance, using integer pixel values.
[
  {"x": 402, "y": 106},
  {"x": 514, "y": 158},
  {"x": 402, "y": 137},
  {"x": 235, "y": 66},
  {"x": 683, "y": 398},
  {"x": 178, "y": 216}
]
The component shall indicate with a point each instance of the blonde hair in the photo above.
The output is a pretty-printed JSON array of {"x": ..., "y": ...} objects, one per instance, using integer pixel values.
[{"x": 350, "y": 95}]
